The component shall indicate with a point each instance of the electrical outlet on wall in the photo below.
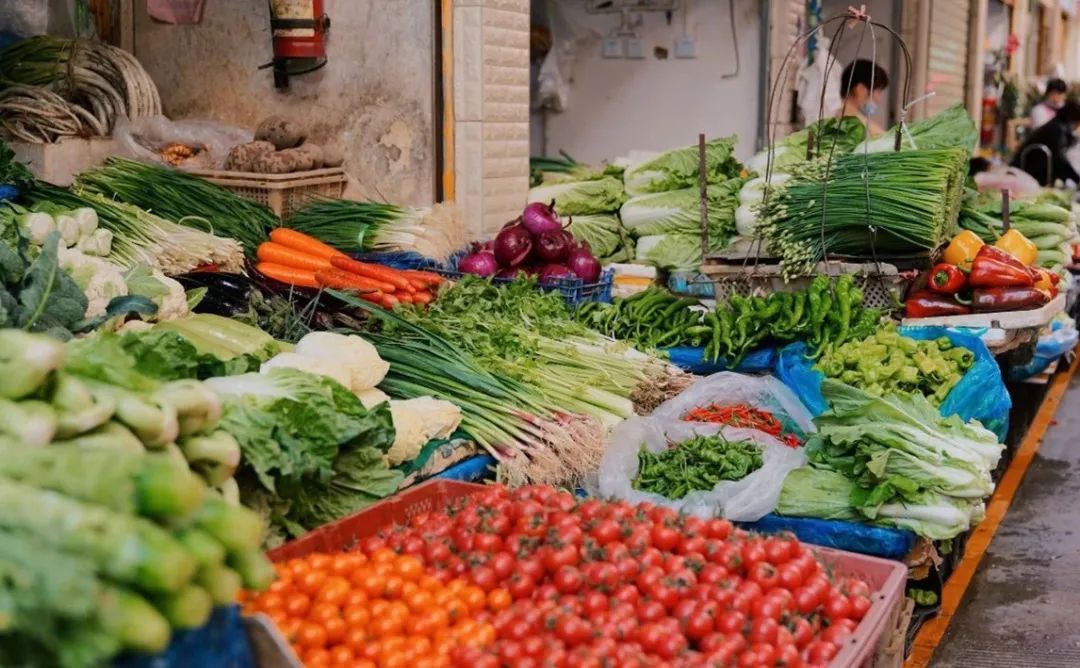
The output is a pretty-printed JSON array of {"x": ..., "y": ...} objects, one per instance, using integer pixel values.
[
  {"x": 635, "y": 47},
  {"x": 612, "y": 47},
  {"x": 685, "y": 47}
]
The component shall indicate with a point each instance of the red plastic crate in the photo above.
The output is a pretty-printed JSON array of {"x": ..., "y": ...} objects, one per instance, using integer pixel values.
[{"x": 885, "y": 577}]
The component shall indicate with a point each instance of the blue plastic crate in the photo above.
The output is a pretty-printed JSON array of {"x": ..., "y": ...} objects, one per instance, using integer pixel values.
[
  {"x": 574, "y": 290},
  {"x": 403, "y": 260},
  {"x": 222, "y": 643}
]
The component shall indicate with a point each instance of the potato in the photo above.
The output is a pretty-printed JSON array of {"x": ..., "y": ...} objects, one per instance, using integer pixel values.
[
  {"x": 281, "y": 132},
  {"x": 242, "y": 157},
  {"x": 313, "y": 150},
  {"x": 332, "y": 156},
  {"x": 301, "y": 159},
  {"x": 277, "y": 162}
]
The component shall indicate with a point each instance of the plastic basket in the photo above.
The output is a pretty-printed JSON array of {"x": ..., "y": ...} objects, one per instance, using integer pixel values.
[
  {"x": 574, "y": 290},
  {"x": 281, "y": 193},
  {"x": 883, "y": 285}
]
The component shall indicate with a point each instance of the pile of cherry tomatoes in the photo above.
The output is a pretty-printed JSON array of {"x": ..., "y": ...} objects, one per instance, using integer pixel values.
[{"x": 534, "y": 577}]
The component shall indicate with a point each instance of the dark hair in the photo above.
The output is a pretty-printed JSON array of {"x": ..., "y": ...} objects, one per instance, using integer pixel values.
[
  {"x": 1069, "y": 113},
  {"x": 863, "y": 72},
  {"x": 1056, "y": 86},
  {"x": 977, "y": 165}
]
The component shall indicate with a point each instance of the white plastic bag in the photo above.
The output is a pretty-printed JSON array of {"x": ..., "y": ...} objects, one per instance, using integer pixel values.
[
  {"x": 144, "y": 138},
  {"x": 745, "y": 500},
  {"x": 727, "y": 388},
  {"x": 1015, "y": 180}
]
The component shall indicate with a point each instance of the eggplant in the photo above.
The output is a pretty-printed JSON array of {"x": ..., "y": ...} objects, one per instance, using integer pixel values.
[{"x": 226, "y": 294}]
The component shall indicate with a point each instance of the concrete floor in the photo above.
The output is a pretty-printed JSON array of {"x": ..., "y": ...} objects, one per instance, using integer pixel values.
[{"x": 1023, "y": 607}]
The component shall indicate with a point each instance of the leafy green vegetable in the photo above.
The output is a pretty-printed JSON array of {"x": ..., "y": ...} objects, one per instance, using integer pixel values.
[
  {"x": 602, "y": 231},
  {"x": 679, "y": 168},
  {"x": 831, "y": 137},
  {"x": 810, "y": 492},
  {"x": 13, "y": 172},
  {"x": 952, "y": 128},
  {"x": 48, "y": 299},
  {"x": 574, "y": 198},
  {"x": 671, "y": 252},
  {"x": 679, "y": 212},
  {"x": 696, "y": 464}
]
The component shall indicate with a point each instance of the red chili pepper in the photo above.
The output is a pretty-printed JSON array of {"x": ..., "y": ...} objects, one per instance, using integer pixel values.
[
  {"x": 1008, "y": 299},
  {"x": 994, "y": 268},
  {"x": 742, "y": 416},
  {"x": 926, "y": 304},
  {"x": 947, "y": 279}
]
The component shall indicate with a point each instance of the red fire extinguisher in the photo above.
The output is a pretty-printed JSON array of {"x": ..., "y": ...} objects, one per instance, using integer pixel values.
[{"x": 299, "y": 30}]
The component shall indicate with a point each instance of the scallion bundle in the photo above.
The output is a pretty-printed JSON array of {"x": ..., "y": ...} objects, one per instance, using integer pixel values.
[
  {"x": 352, "y": 227},
  {"x": 182, "y": 198},
  {"x": 864, "y": 206}
]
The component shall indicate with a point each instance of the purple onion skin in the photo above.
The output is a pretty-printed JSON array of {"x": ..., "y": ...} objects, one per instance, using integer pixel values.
[
  {"x": 512, "y": 246},
  {"x": 554, "y": 272},
  {"x": 584, "y": 265},
  {"x": 539, "y": 218},
  {"x": 552, "y": 247},
  {"x": 481, "y": 263}
]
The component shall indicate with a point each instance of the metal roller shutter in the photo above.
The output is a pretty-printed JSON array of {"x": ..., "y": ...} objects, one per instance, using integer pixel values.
[{"x": 947, "y": 65}]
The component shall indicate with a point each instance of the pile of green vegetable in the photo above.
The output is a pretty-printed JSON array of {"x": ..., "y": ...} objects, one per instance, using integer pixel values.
[
  {"x": 864, "y": 205},
  {"x": 36, "y": 294},
  {"x": 888, "y": 362},
  {"x": 13, "y": 172},
  {"x": 827, "y": 313},
  {"x": 181, "y": 198},
  {"x": 1043, "y": 219},
  {"x": 894, "y": 461},
  {"x": 108, "y": 540},
  {"x": 696, "y": 464},
  {"x": 831, "y": 137},
  {"x": 952, "y": 128}
]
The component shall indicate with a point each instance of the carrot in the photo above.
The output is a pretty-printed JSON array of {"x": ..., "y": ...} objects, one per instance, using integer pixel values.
[
  {"x": 390, "y": 301},
  {"x": 275, "y": 253},
  {"x": 343, "y": 280},
  {"x": 304, "y": 243},
  {"x": 289, "y": 275},
  {"x": 375, "y": 271},
  {"x": 404, "y": 297},
  {"x": 423, "y": 297},
  {"x": 429, "y": 277}
]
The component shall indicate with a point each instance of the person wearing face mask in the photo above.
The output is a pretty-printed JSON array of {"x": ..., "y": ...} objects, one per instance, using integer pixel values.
[
  {"x": 1058, "y": 135},
  {"x": 861, "y": 85},
  {"x": 1053, "y": 100}
]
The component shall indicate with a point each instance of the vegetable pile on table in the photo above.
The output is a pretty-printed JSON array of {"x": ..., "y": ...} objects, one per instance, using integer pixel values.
[
  {"x": 981, "y": 278},
  {"x": 893, "y": 461},
  {"x": 535, "y": 244},
  {"x": 744, "y": 416},
  {"x": 696, "y": 464},
  {"x": 561, "y": 580},
  {"x": 826, "y": 313},
  {"x": 888, "y": 362},
  {"x": 297, "y": 259},
  {"x": 1045, "y": 220},
  {"x": 109, "y": 533}
]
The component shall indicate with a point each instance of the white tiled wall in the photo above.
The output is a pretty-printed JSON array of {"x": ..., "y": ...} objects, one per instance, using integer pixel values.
[{"x": 491, "y": 108}]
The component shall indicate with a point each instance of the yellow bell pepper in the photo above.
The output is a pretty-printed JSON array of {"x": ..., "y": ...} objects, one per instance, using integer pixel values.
[
  {"x": 962, "y": 249},
  {"x": 1016, "y": 244}
]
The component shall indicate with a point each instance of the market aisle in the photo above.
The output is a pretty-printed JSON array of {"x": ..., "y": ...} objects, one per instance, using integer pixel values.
[{"x": 1024, "y": 602}]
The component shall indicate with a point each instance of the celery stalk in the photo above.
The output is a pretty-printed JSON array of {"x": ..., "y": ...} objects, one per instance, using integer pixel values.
[
  {"x": 131, "y": 619},
  {"x": 236, "y": 527},
  {"x": 254, "y": 568},
  {"x": 188, "y": 608},
  {"x": 207, "y": 551},
  {"x": 221, "y": 582}
]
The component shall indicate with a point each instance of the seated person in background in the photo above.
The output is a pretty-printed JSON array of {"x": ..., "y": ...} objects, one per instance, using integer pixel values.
[
  {"x": 860, "y": 86},
  {"x": 1058, "y": 135},
  {"x": 1053, "y": 100}
]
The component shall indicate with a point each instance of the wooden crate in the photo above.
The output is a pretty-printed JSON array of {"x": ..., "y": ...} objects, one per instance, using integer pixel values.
[{"x": 281, "y": 193}]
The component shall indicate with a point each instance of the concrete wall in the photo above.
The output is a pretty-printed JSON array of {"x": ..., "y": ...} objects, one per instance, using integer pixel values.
[
  {"x": 616, "y": 106},
  {"x": 374, "y": 98}
]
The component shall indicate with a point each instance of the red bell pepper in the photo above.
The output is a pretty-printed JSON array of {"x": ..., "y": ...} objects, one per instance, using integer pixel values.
[
  {"x": 926, "y": 304},
  {"x": 1008, "y": 299},
  {"x": 947, "y": 279},
  {"x": 994, "y": 268}
]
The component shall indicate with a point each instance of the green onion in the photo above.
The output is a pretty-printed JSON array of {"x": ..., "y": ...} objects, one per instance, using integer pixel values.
[
  {"x": 182, "y": 198},
  {"x": 354, "y": 227}
]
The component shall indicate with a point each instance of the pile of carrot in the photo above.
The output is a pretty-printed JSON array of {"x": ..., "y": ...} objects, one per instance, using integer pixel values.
[{"x": 295, "y": 258}]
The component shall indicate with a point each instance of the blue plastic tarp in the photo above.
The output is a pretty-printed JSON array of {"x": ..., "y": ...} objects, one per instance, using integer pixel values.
[
  {"x": 221, "y": 642},
  {"x": 693, "y": 360},
  {"x": 841, "y": 535},
  {"x": 980, "y": 395}
]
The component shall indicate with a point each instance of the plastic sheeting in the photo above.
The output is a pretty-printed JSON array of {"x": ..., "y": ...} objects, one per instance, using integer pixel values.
[
  {"x": 851, "y": 536},
  {"x": 222, "y": 641}
]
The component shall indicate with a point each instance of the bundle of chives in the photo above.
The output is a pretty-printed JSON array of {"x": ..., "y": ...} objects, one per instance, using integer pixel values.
[
  {"x": 352, "y": 226},
  {"x": 183, "y": 199},
  {"x": 877, "y": 204}
]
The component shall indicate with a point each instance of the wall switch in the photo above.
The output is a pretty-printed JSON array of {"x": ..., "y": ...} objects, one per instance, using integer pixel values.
[
  {"x": 684, "y": 47},
  {"x": 635, "y": 47},
  {"x": 612, "y": 47}
]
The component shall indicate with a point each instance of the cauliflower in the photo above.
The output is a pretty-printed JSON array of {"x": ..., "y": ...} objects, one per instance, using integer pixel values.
[
  {"x": 37, "y": 227},
  {"x": 319, "y": 366},
  {"x": 350, "y": 353},
  {"x": 174, "y": 304},
  {"x": 69, "y": 230},
  {"x": 100, "y": 280},
  {"x": 372, "y": 398},
  {"x": 417, "y": 421}
]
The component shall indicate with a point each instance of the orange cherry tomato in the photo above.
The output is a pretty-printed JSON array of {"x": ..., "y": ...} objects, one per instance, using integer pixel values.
[
  {"x": 311, "y": 635},
  {"x": 409, "y": 567},
  {"x": 357, "y": 617},
  {"x": 499, "y": 599},
  {"x": 342, "y": 655},
  {"x": 297, "y": 604},
  {"x": 312, "y": 582},
  {"x": 335, "y": 590},
  {"x": 335, "y": 630}
]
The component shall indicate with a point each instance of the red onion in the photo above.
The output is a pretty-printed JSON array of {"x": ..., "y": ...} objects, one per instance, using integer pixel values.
[
  {"x": 512, "y": 246},
  {"x": 584, "y": 265},
  {"x": 481, "y": 263},
  {"x": 552, "y": 246},
  {"x": 554, "y": 272},
  {"x": 539, "y": 218}
]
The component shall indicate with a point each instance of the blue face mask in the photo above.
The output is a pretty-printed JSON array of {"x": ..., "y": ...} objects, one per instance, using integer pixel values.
[{"x": 868, "y": 109}]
